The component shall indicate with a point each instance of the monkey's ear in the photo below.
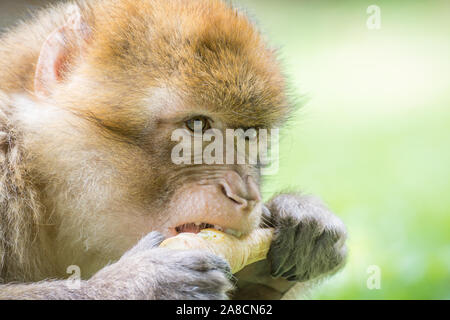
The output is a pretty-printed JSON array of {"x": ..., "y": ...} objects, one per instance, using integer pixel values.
[{"x": 57, "y": 51}]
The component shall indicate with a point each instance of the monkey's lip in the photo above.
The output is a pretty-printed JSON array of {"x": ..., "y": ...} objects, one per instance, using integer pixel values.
[{"x": 196, "y": 227}]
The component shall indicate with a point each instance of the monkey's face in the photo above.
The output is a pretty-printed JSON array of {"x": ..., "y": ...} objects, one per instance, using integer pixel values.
[
  {"x": 194, "y": 192},
  {"x": 129, "y": 80},
  {"x": 118, "y": 182}
]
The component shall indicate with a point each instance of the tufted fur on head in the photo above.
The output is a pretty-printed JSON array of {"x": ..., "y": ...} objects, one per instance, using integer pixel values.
[{"x": 206, "y": 51}]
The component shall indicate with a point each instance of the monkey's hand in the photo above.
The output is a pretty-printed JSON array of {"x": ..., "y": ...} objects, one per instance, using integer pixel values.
[
  {"x": 148, "y": 272},
  {"x": 309, "y": 242}
]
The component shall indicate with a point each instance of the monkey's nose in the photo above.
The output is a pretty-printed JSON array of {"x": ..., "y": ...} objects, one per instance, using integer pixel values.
[{"x": 244, "y": 192}]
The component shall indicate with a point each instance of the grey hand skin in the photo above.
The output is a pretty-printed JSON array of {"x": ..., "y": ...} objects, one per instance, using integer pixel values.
[
  {"x": 309, "y": 244},
  {"x": 145, "y": 272}
]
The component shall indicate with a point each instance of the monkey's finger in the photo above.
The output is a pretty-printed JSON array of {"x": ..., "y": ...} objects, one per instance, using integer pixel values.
[
  {"x": 202, "y": 261},
  {"x": 291, "y": 274},
  {"x": 280, "y": 257},
  {"x": 150, "y": 241}
]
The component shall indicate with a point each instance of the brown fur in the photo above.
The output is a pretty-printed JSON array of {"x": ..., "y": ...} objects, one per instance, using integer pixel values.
[
  {"x": 206, "y": 55},
  {"x": 85, "y": 153}
]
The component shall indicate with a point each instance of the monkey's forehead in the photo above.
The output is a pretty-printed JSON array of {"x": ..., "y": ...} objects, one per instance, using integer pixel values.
[{"x": 209, "y": 52}]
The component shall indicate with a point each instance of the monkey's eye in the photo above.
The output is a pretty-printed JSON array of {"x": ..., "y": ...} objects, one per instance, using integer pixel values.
[{"x": 199, "y": 122}]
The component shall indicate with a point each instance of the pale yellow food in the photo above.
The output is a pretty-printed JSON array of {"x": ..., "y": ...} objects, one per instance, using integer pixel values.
[{"x": 239, "y": 252}]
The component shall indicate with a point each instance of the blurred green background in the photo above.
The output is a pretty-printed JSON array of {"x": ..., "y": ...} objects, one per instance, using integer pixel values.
[{"x": 373, "y": 137}]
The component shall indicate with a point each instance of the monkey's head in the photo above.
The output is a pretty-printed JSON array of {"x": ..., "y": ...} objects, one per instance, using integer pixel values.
[{"x": 114, "y": 82}]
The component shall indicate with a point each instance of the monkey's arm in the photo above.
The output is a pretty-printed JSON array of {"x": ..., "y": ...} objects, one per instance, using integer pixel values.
[
  {"x": 143, "y": 273},
  {"x": 47, "y": 290},
  {"x": 309, "y": 244}
]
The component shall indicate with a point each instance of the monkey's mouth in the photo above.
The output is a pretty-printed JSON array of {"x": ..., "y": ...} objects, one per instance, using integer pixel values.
[{"x": 196, "y": 227}]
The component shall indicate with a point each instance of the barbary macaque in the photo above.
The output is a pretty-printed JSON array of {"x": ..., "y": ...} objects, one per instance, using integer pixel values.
[{"x": 90, "y": 94}]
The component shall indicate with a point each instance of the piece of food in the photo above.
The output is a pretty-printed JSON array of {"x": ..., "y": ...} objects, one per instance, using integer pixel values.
[{"x": 239, "y": 252}]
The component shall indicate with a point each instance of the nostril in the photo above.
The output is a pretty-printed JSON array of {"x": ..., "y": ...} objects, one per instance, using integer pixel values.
[
  {"x": 232, "y": 196},
  {"x": 244, "y": 191}
]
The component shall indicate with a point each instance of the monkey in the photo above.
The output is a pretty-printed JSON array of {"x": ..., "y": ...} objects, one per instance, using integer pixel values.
[{"x": 90, "y": 93}]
